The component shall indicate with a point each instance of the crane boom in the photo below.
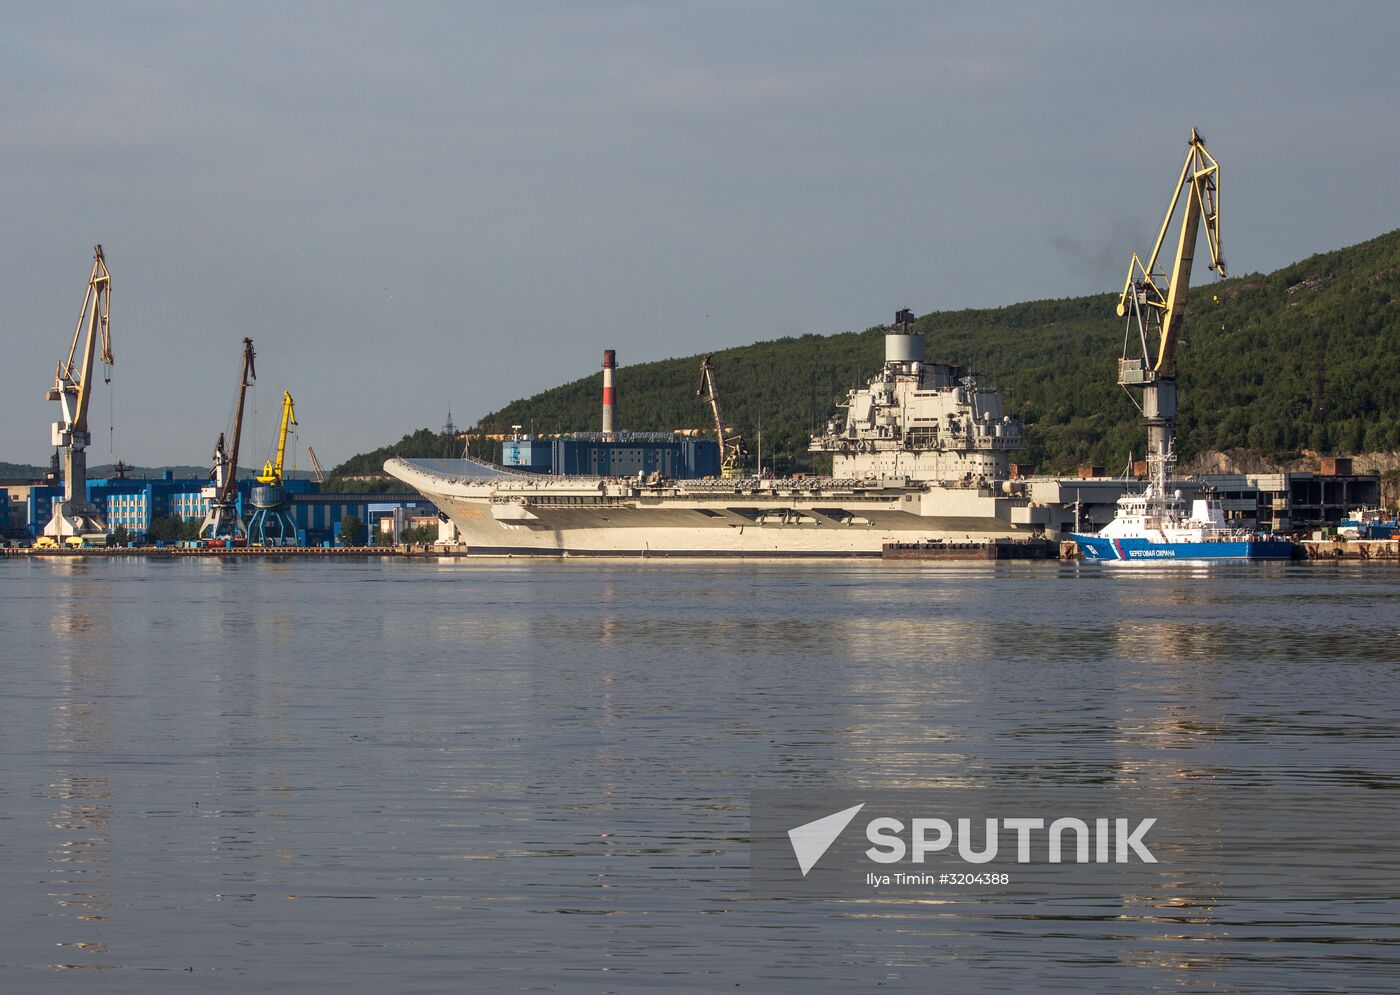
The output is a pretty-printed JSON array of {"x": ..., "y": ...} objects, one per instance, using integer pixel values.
[
  {"x": 72, "y": 388},
  {"x": 222, "y": 521},
  {"x": 245, "y": 380},
  {"x": 1200, "y": 182},
  {"x": 272, "y": 470},
  {"x": 708, "y": 389},
  {"x": 729, "y": 450},
  {"x": 1156, "y": 304},
  {"x": 95, "y": 319},
  {"x": 316, "y": 465}
]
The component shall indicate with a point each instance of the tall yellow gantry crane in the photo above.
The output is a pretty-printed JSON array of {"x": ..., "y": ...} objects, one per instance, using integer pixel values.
[
  {"x": 272, "y": 469},
  {"x": 1156, "y": 304},
  {"x": 72, "y": 389},
  {"x": 271, "y": 523},
  {"x": 730, "y": 450}
]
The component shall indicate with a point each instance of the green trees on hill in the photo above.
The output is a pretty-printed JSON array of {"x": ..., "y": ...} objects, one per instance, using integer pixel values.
[
  {"x": 365, "y": 472},
  {"x": 1305, "y": 357},
  {"x": 424, "y": 442}
]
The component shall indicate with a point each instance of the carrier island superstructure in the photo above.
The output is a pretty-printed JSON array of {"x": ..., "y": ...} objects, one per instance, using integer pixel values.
[{"x": 921, "y": 454}]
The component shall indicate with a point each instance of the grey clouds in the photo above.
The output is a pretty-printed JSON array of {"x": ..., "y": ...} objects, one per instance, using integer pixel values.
[{"x": 426, "y": 205}]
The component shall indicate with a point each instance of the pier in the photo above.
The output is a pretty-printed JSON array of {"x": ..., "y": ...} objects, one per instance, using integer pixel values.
[
  {"x": 1311, "y": 550},
  {"x": 1384, "y": 550},
  {"x": 218, "y": 552},
  {"x": 997, "y": 549}
]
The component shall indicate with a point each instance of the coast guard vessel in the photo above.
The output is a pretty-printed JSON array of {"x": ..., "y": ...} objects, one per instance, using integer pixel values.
[
  {"x": 920, "y": 454},
  {"x": 1155, "y": 525}
]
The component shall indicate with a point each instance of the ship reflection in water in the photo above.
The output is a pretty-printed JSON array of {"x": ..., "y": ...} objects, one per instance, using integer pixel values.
[{"x": 365, "y": 776}]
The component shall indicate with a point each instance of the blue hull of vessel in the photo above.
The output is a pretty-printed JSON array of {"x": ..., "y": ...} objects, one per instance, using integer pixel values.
[{"x": 1143, "y": 551}]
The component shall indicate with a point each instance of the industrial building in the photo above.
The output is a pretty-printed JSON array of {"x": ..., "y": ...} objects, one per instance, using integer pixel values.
[
  {"x": 318, "y": 516},
  {"x": 15, "y": 501},
  {"x": 1285, "y": 502},
  {"x": 618, "y": 454},
  {"x": 1276, "y": 502},
  {"x": 135, "y": 503},
  {"x": 525, "y": 452},
  {"x": 612, "y": 453}
]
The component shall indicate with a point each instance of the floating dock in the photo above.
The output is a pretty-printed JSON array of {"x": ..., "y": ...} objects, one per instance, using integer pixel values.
[
  {"x": 236, "y": 552},
  {"x": 999, "y": 549}
]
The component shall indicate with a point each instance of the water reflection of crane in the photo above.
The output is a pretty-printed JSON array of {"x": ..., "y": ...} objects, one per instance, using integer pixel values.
[{"x": 80, "y": 725}]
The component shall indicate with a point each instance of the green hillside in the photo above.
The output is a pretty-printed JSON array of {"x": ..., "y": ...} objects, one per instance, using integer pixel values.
[
  {"x": 21, "y": 471},
  {"x": 1303, "y": 358}
]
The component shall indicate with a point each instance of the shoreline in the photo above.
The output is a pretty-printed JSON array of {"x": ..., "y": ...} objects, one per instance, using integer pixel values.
[{"x": 1307, "y": 551}]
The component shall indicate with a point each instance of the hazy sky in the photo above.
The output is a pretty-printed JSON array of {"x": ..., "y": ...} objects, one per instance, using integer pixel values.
[{"x": 410, "y": 206}]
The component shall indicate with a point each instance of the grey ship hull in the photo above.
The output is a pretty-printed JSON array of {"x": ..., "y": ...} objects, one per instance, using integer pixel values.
[{"x": 502, "y": 513}]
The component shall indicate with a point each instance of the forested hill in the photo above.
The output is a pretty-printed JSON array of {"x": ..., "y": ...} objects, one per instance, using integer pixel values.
[{"x": 1307, "y": 357}]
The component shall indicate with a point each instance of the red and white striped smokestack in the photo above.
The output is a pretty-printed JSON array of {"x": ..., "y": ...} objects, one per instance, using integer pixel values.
[{"x": 609, "y": 398}]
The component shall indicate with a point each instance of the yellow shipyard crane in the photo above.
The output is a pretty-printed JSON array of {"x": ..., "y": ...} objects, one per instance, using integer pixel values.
[
  {"x": 271, "y": 523},
  {"x": 75, "y": 518},
  {"x": 272, "y": 469},
  {"x": 1155, "y": 304}
]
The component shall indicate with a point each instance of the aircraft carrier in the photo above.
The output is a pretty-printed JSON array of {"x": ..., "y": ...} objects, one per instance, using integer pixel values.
[{"x": 920, "y": 454}]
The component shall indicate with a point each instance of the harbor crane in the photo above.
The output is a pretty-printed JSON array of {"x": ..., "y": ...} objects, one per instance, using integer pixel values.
[
  {"x": 223, "y": 523},
  {"x": 316, "y": 466},
  {"x": 75, "y": 519},
  {"x": 272, "y": 469},
  {"x": 1155, "y": 304},
  {"x": 730, "y": 447},
  {"x": 270, "y": 523}
]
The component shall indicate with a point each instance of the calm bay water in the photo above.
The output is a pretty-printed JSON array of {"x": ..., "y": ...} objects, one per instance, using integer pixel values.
[{"x": 365, "y": 777}]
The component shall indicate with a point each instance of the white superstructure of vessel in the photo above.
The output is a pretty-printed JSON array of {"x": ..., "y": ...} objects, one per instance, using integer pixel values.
[
  {"x": 920, "y": 455},
  {"x": 1156, "y": 525},
  {"x": 1160, "y": 515},
  {"x": 921, "y": 421}
]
